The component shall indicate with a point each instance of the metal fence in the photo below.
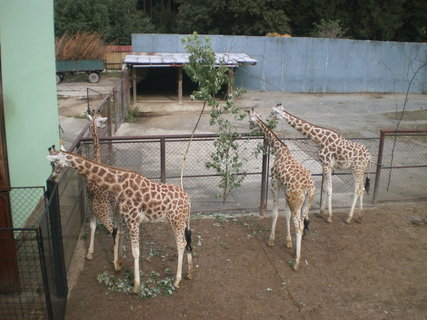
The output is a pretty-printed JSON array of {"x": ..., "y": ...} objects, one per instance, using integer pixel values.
[
  {"x": 397, "y": 176},
  {"x": 159, "y": 158},
  {"x": 401, "y": 165},
  {"x": 35, "y": 285}
]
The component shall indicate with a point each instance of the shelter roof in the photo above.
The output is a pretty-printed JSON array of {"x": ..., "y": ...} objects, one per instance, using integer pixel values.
[{"x": 161, "y": 59}]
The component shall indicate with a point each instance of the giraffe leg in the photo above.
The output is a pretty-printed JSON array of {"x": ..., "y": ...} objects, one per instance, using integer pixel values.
[
  {"x": 299, "y": 227},
  {"x": 275, "y": 193},
  {"x": 357, "y": 188},
  {"x": 117, "y": 250},
  {"x": 305, "y": 209},
  {"x": 288, "y": 227},
  {"x": 329, "y": 194},
  {"x": 323, "y": 195},
  {"x": 92, "y": 225},
  {"x": 189, "y": 249},
  {"x": 180, "y": 245},
  {"x": 134, "y": 239},
  {"x": 361, "y": 211}
]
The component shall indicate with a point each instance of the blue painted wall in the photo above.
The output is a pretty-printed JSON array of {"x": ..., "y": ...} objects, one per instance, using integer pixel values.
[{"x": 313, "y": 64}]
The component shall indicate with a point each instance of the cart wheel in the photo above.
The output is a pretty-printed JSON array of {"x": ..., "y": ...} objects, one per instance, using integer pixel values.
[
  {"x": 93, "y": 77},
  {"x": 59, "y": 77}
]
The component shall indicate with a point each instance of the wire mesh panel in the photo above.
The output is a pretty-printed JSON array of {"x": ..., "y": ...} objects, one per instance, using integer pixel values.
[
  {"x": 27, "y": 204},
  {"x": 402, "y": 166},
  {"x": 160, "y": 158},
  {"x": 27, "y": 298}
]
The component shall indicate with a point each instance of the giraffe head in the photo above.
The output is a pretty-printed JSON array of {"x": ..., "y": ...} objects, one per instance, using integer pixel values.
[
  {"x": 278, "y": 111},
  {"x": 96, "y": 120},
  {"x": 253, "y": 117},
  {"x": 57, "y": 160}
]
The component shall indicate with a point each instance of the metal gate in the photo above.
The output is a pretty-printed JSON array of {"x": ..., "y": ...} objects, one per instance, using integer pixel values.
[{"x": 37, "y": 287}]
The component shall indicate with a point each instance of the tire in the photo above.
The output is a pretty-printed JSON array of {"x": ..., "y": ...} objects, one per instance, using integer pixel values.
[
  {"x": 59, "y": 77},
  {"x": 94, "y": 77}
]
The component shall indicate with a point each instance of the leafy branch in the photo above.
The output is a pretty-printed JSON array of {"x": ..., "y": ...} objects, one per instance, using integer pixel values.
[{"x": 211, "y": 76}]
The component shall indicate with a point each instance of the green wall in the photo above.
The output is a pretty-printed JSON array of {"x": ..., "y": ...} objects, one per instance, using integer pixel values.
[{"x": 29, "y": 88}]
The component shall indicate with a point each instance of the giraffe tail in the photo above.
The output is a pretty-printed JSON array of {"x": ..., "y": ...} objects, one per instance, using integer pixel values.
[
  {"x": 188, "y": 247},
  {"x": 367, "y": 179}
]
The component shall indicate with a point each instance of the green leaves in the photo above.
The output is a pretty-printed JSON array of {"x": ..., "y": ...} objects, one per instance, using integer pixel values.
[{"x": 211, "y": 77}]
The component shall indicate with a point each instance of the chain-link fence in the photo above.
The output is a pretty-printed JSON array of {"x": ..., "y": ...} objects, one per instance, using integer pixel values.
[
  {"x": 160, "y": 157},
  {"x": 32, "y": 278},
  {"x": 113, "y": 105},
  {"x": 402, "y": 165}
]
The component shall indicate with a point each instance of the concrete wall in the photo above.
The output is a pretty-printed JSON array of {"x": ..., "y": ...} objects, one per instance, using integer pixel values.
[
  {"x": 29, "y": 88},
  {"x": 313, "y": 64}
]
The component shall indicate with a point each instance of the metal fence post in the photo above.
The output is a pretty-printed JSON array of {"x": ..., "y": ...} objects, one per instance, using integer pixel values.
[
  {"x": 60, "y": 275},
  {"x": 264, "y": 177},
  {"x": 163, "y": 160},
  {"x": 379, "y": 166},
  {"x": 44, "y": 272}
]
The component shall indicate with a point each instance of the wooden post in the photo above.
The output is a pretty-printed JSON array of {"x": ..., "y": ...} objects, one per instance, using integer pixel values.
[
  {"x": 230, "y": 80},
  {"x": 179, "y": 84},
  {"x": 134, "y": 85}
]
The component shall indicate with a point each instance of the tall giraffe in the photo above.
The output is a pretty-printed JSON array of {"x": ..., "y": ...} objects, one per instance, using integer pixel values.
[
  {"x": 334, "y": 152},
  {"x": 103, "y": 200},
  {"x": 139, "y": 199},
  {"x": 289, "y": 174}
]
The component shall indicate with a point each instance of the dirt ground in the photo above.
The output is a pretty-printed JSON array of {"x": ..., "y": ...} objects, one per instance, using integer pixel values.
[{"x": 373, "y": 270}]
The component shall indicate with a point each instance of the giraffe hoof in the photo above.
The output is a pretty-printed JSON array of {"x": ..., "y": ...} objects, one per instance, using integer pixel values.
[
  {"x": 295, "y": 266},
  {"x": 189, "y": 276},
  {"x": 358, "y": 220},
  {"x": 176, "y": 284},
  {"x": 329, "y": 220},
  {"x": 89, "y": 256},
  {"x": 270, "y": 243},
  {"x": 118, "y": 266},
  {"x": 289, "y": 244},
  {"x": 348, "y": 221},
  {"x": 135, "y": 290}
]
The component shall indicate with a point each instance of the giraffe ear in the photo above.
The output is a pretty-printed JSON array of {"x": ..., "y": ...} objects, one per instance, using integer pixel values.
[
  {"x": 62, "y": 147},
  {"x": 52, "y": 158},
  {"x": 89, "y": 117}
]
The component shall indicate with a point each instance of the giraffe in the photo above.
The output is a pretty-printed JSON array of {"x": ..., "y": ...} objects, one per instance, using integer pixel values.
[
  {"x": 103, "y": 200},
  {"x": 334, "y": 152},
  {"x": 289, "y": 174},
  {"x": 139, "y": 200}
]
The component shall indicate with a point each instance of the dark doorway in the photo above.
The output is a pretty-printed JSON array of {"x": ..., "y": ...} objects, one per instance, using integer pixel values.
[{"x": 163, "y": 81}]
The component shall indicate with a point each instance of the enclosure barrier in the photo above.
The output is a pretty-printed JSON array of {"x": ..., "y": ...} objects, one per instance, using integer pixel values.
[
  {"x": 44, "y": 246},
  {"x": 401, "y": 166},
  {"x": 37, "y": 286},
  {"x": 160, "y": 157}
]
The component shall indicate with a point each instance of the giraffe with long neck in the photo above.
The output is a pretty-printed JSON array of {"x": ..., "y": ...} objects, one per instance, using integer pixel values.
[
  {"x": 289, "y": 174},
  {"x": 335, "y": 152},
  {"x": 139, "y": 200},
  {"x": 103, "y": 200}
]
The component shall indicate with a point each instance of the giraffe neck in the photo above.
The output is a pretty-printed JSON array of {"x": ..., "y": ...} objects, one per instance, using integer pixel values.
[
  {"x": 103, "y": 175},
  {"x": 308, "y": 129},
  {"x": 96, "y": 148},
  {"x": 272, "y": 138}
]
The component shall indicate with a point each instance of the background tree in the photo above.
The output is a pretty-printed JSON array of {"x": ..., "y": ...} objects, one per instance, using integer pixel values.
[
  {"x": 414, "y": 26},
  {"x": 251, "y": 17},
  {"x": 391, "y": 20},
  {"x": 116, "y": 22},
  {"x": 328, "y": 29}
]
